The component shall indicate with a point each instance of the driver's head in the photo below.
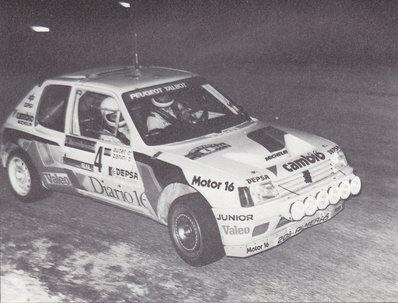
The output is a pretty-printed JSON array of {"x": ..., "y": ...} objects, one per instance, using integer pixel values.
[
  {"x": 109, "y": 110},
  {"x": 162, "y": 101}
]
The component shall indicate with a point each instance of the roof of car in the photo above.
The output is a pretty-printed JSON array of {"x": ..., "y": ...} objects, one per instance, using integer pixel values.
[{"x": 126, "y": 78}]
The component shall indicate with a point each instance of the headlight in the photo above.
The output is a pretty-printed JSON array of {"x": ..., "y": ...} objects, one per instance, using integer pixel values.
[
  {"x": 263, "y": 191},
  {"x": 338, "y": 160},
  {"x": 257, "y": 194}
]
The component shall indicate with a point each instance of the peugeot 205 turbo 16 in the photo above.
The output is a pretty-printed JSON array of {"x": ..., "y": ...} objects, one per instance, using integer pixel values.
[{"x": 168, "y": 145}]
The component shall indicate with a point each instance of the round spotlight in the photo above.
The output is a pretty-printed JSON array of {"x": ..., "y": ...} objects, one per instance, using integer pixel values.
[
  {"x": 297, "y": 210},
  {"x": 310, "y": 205},
  {"x": 345, "y": 189},
  {"x": 334, "y": 194},
  {"x": 355, "y": 185},
  {"x": 322, "y": 199}
]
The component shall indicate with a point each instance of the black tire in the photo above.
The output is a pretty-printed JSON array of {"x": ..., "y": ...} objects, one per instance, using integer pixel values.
[
  {"x": 194, "y": 231},
  {"x": 23, "y": 178}
]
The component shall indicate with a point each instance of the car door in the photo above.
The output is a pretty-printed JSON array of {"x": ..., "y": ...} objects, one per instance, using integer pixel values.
[
  {"x": 46, "y": 149},
  {"x": 100, "y": 152}
]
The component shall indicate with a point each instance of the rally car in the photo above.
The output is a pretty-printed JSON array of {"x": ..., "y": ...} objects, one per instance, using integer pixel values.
[{"x": 225, "y": 183}]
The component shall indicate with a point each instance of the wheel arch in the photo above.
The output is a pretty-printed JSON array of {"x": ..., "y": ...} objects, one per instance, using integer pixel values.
[
  {"x": 8, "y": 149},
  {"x": 9, "y": 144},
  {"x": 173, "y": 193}
]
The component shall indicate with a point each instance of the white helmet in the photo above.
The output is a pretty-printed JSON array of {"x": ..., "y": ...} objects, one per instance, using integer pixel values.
[
  {"x": 162, "y": 100},
  {"x": 110, "y": 109}
]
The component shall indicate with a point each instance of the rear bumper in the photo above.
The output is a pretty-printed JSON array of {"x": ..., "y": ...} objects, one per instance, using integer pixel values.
[{"x": 247, "y": 231}]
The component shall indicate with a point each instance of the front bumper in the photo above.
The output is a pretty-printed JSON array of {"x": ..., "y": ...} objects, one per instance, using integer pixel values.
[
  {"x": 248, "y": 231},
  {"x": 283, "y": 234}
]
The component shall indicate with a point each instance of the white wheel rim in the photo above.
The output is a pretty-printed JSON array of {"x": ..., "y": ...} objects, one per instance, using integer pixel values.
[{"x": 19, "y": 175}]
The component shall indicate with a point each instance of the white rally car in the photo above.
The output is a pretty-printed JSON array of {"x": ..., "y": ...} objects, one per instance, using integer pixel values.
[{"x": 224, "y": 182}]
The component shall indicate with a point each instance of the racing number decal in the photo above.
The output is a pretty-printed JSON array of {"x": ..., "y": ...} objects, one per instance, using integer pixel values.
[
  {"x": 98, "y": 159},
  {"x": 229, "y": 186}
]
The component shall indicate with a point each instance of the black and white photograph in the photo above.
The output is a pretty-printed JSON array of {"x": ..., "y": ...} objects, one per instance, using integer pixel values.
[{"x": 198, "y": 151}]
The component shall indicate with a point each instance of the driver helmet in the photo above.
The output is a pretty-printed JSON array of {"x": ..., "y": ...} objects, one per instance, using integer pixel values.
[
  {"x": 162, "y": 101},
  {"x": 110, "y": 109}
]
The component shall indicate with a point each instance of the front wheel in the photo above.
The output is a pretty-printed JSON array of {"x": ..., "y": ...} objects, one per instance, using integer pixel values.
[
  {"x": 23, "y": 178},
  {"x": 194, "y": 232}
]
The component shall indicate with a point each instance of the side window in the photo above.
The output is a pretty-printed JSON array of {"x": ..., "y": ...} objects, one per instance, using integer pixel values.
[
  {"x": 98, "y": 116},
  {"x": 52, "y": 107}
]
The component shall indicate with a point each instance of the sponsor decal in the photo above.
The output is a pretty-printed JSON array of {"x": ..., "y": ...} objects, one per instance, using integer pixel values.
[
  {"x": 119, "y": 172},
  {"x": 304, "y": 161},
  {"x": 198, "y": 181},
  {"x": 291, "y": 233},
  {"x": 257, "y": 179},
  {"x": 286, "y": 236},
  {"x": 276, "y": 155},
  {"x": 57, "y": 178},
  {"x": 257, "y": 247},
  {"x": 146, "y": 93},
  {"x": 78, "y": 164},
  {"x": 25, "y": 123},
  {"x": 334, "y": 149},
  {"x": 234, "y": 217},
  {"x": 25, "y": 119},
  {"x": 157, "y": 90},
  {"x": 176, "y": 86},
  {"x": 107, "y": 152},
  {"x": 307, "y": 176},
  {"x": 207, "y": 149},
  {"x": 122, "y": 154},
  {"x": 131, "y": 197},
  {"x": 313, "y": 222},
  {"x": 28, "y": 103},
  {"x": 235, "y": 230},
  {"x": 79, "y": 143}
]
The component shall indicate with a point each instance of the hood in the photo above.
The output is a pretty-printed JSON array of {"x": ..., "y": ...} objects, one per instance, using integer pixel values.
[{"x": 257, "y": 149}]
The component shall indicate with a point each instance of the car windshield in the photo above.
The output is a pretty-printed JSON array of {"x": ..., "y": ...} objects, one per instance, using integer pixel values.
[{"x": 181, "y": 110}]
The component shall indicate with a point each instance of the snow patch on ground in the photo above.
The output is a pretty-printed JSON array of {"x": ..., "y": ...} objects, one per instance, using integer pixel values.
[
  {"x": 19, "y": 286},
  {"x": 105, "y": 270}
]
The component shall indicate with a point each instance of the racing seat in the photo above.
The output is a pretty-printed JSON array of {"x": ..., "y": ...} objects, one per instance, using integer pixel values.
[
  {"x": 139, "y": 113},
  {"x": 90, "y": 125},
  {"x": 90, "y": 116}
]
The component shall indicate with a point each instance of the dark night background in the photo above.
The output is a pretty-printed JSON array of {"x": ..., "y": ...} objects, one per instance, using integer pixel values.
[
  {"x": 195, "y": 33},
  {"x": 326, "y": 67}
]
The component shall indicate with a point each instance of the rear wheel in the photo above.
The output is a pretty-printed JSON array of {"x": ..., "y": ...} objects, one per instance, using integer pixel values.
[
  {"x": 23, "y": 178},
  {"x": 194, "y": 231}
]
